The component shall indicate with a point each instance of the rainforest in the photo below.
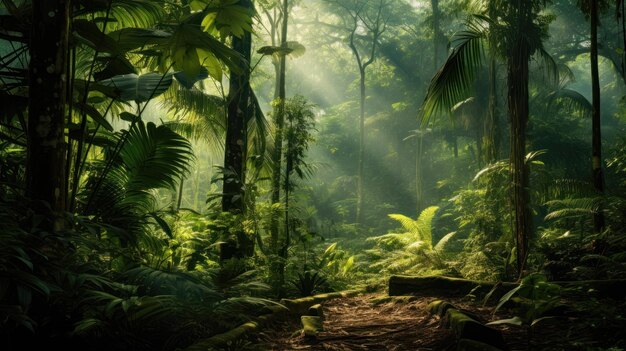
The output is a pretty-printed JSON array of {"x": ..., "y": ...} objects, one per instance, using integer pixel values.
[{"x": 284, "y": 175}]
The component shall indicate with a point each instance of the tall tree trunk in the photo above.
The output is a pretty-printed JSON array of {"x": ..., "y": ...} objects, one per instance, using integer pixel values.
[
  {"x": 492, "y": 127},
  {"x": 239, "y": 96},
  {"x": 596, "y": 134},
  {"x": 278, "y": 265},
  {"x": 437, "y": 35},
  {"x": 517, "y": 80},
  {"x": 517, "y": 63},
  {"x": 360, "y": 205},
  {"x": 45, "y": 168},
  {"x": 419, "y": 186}
]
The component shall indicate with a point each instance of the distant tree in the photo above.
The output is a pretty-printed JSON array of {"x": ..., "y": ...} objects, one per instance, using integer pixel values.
[
  {"x": 280, "y": 65},
  {"x": 591, "y": 9},
  {"x": 370, "y": 17}
]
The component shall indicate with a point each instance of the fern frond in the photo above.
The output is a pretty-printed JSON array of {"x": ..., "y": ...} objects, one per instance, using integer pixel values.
[
  {"x": 441, "y": 245},
  {"x": 424, "y": 223}
]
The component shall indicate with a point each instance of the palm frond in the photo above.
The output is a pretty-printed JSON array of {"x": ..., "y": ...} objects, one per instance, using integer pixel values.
[
  {"x": 548, "y": 65},
  {"x": 453, "y": 81},
  {"x": 135, "y": 13},
  {"x": 570, "y": 101},
  {"x": 152, "y": 158},
  {"x": 199, "y": 116},
  {"x": 123, "y": 199}
]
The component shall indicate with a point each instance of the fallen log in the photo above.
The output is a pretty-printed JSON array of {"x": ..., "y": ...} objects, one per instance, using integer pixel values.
[{"x": 442, "y": 287}]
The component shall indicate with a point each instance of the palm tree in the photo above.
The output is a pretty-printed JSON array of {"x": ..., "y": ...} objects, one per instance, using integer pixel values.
[
  {"x": 239, "y": 112},
  {"x": 514, "y": 37}
]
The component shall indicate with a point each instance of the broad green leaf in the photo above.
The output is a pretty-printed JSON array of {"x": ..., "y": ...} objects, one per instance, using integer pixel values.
[
  {"x": 186, "y": 60},
  {"x": 130, "y": 117},
  {"x": 212, "y": 64},
  {"x": 131, "y": 87},
  {"x": 129, "y": 39},
  {"x": 208, "y": 48},
  {"x": 227, "y": 18},
  {"x": 188, "y": 82}
]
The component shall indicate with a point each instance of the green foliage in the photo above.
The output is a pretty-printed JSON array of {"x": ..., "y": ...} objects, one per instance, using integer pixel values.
[
  {"x": 454, "y": 80},
  {"x": 120, "y": 190},
  {"x": 309, "y": 283},
  {"x": 535, "y": 299},
  {"x": 300, "y": 125},
  {"x": 411, "y": 250},
  {"x": 224, "y": 17}
]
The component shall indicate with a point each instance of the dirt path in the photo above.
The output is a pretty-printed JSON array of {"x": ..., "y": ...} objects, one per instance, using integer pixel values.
[{"x": 359, "y": 324}]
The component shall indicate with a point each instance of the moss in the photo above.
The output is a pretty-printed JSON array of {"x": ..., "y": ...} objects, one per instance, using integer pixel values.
[
  {"x": 316, "y": 310},
  {"x": 439, "y": 307},
  {"x": 311, "y": 325},
  {"x": 301, "y": 306},
  {"x": 465, "y": 327}
]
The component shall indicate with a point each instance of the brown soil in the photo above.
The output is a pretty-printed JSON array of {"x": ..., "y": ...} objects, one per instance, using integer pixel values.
[{"x": 358, "y": 324}]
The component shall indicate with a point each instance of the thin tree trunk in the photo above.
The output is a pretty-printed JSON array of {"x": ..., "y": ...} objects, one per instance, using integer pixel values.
[
  {"x": 517, "y": 80},
  {"x": 596, "y": 133},
  {"x": 419, "y": 190},
  {"x": 278, "y": 266},
  {"x": 45, "y": 169},
  {"x": 359, "y": 199},
  {"x": 235, "y": 147},
  {"x": 436, "y": 33},
  {"x": 179, "y": 201},
  {"x": 492, "y": 130},
  {"x": 518, "y": 113}
]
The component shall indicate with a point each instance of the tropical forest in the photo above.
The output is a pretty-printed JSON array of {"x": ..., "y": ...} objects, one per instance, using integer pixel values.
[{"x": 250, "y": 175}]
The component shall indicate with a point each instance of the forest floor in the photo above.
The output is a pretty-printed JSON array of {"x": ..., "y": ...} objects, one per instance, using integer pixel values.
[
  {"x": 379, "y": 323},
  {"x": 362, "y": 323}
]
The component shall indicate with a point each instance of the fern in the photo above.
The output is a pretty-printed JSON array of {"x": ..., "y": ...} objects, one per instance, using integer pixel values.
[
  {"x": 567, "y": 208},
  {"x": 415, "y": 230}
]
